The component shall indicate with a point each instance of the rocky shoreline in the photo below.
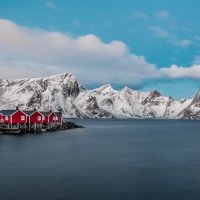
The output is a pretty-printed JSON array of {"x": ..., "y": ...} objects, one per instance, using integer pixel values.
[{"x": 15, "y": 131}]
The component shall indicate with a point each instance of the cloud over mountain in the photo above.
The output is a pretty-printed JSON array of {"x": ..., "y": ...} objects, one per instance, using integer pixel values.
[
  {"x": 176, "y": 72},
  {"x": 32, "y": 52}
]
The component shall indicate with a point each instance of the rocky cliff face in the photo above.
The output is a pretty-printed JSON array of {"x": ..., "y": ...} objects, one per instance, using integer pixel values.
[
  {"x": 64, "y": 92},
  {"x": 192, "y": 111},
  {"x": 55, "y": 92}
]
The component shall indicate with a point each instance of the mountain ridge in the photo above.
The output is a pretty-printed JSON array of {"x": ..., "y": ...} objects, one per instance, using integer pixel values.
[{"x": 63, "y": 92}]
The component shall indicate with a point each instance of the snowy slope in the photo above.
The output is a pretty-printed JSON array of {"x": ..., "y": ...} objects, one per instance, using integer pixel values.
[
  {"x": 55, "y": 92},
  {"x": 129, "y": 103},
  {"x": 64, "y": 92},
  {"x": 192, "y": 111}
]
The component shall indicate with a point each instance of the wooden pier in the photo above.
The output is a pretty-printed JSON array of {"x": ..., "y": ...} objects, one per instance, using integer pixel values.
[{"x": 35, "y": 128}]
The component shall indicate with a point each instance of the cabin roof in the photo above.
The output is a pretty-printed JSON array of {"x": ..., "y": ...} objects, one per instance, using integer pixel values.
[
  {"x": 7, "y": 112},
  {"x": 28, "y": 112},
  {"x": 58, "y": 114},
  {"x": 47, "y": 113}
]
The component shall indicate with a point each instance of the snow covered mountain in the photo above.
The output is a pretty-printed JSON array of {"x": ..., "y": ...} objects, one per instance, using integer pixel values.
[
  {"x": 64, "y": 92},
  {"x": 193, "y": 110}
]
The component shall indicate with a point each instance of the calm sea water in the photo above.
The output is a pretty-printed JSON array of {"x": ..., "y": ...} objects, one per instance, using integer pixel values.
[{"x": 109, "y": 159}]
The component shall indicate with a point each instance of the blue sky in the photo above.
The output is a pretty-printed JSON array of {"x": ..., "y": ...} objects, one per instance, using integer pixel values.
[{"x": 163, "y": 33}]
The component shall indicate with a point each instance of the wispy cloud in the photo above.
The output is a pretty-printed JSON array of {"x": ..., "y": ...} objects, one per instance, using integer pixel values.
[
  {"x": 76, "y": 23},
  {"x": 159, "y": 32},
  {"x": 162, "y": 33},
  {"x": 139, "y": 14},
  {"x": 161, "y": 15},
  {"x": 51, "y": 5},
  {"x": 181, "y": 42}
]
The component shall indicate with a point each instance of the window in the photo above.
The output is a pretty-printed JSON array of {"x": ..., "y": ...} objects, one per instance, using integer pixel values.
[
  {"x": 22, "y": 117},
  {"x": 39, "y": 118},
  {"x": 6, "y": 118},
  {"x": 56, "y": 118}
]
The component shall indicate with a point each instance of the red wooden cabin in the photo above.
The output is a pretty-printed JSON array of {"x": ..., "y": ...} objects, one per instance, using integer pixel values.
[
  {"x": 34, "y": 117},
  {"x": 58, "y": 117},
  {"x": 52, "y": 118},
  {"x": 49, "y": 117},
  {"x": 46, "y": 117},
  {"x": 14, "y": 116}
]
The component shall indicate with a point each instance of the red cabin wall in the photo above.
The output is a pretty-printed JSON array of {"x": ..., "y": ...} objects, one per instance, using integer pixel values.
[
  {"x": 46, "y": 119},
  {"x": 7, "y": 119},
  {"x": 59, "y": 119},
  {"x": 34, "y": 118},
  {"x": 19, "y": 118},
  {"x": 1, "y": 118},
  {"x": 52, "y": 118}
]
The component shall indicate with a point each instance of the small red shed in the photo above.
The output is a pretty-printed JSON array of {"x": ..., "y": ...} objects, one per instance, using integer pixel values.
[
  {"x": 58, "y": 117},
  {"x": 34, "y": 117},
  {"x": 14, "y": 116},
  {"x": 52, "y": 118},
  {"x": 49, "y": 117}
]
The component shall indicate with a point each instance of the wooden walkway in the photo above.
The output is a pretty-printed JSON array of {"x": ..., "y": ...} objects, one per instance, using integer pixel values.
[{"x": 37, "y": 129}]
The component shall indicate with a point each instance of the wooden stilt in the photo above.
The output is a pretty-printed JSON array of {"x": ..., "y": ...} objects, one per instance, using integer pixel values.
[{"x": 35, "y": 127}]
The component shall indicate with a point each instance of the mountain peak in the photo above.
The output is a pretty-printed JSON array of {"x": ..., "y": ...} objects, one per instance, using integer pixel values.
[
  {"x": 196, "y": 100},
  {"x": 105, "y": 89},
  {"x": 126, "y": 89},
  {"x": 155, "y": 93},
  {"x": 61, "y": 76}
]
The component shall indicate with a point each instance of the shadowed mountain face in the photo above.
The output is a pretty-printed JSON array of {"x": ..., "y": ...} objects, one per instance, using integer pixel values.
[{"x": 64, "y": 93}]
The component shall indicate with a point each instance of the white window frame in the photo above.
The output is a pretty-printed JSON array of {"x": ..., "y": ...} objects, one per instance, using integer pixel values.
[
  {"x": 6, "y": 118},
  {"x": 39, "y": 118},
  {"x": 23, "y": 117}
]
